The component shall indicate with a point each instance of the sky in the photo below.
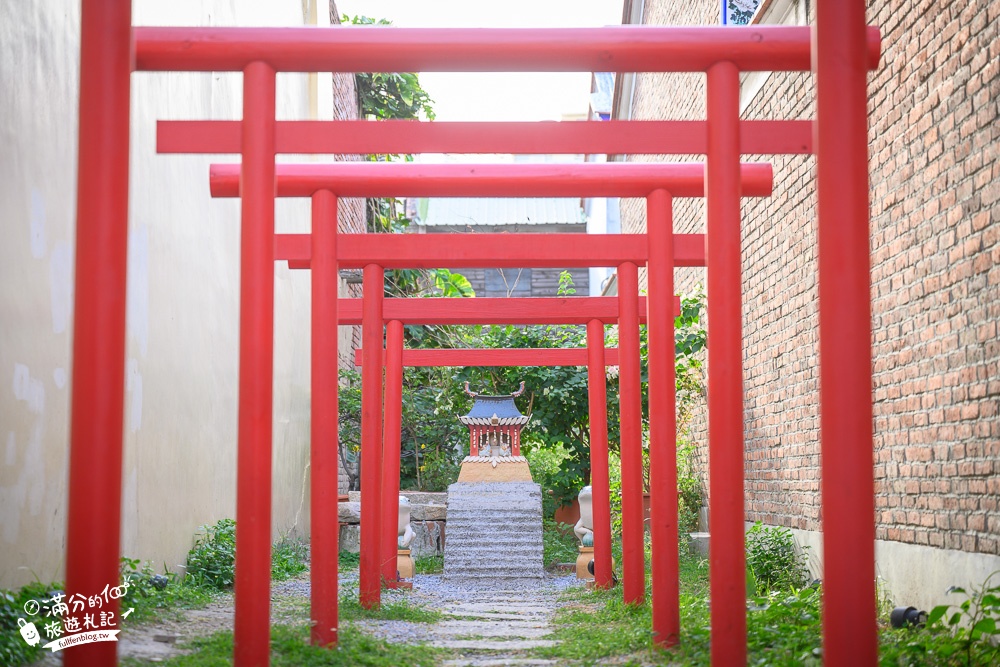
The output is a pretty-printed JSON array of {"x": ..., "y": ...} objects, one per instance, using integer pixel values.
[{"x": 498, "y": 96}]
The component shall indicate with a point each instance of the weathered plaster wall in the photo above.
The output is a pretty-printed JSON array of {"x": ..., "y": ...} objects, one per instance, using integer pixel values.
[{"x": 183, "y": 294}]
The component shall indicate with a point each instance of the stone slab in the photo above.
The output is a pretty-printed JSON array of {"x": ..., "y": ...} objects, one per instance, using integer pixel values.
[
  {"x": 491, "y": 630},
  {"x": 349, "y": 512},
  {"x": 486, "y": 615},
  {"x": 499, "y": 662},
  {"x": 420, "y": 512},
  {"x": 483, "y": 645},
  {"x": 699, "y": 544},
  {"x": 416, "y": 497},
  {"x": 350, "y": 538},
  {"x": 428, "y": 538}
]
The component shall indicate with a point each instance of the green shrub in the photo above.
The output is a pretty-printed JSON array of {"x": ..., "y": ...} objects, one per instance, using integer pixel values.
[
  {"x": 211, "y": 562},
  {"x": 348, "y": 560},
  {"x": 559, "y": 543},
  {"x": 289, "y": 557},
  {"x": 772, "y": 560},
  {"x": 13, "y": 649},
  {"x": 439, "y": 468},
  {"x": 150, "y": 593},
  {"x": 546, "y": 466}
]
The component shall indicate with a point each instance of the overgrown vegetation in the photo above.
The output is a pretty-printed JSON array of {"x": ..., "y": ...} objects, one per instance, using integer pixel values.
[
  {"x": 960, "y": 635},
  {"x": 559, "y": 543},
  {"x": 784, "y": 623},
  {"x": 773, "y": 562},
  {"x": 212, "y": 560}
]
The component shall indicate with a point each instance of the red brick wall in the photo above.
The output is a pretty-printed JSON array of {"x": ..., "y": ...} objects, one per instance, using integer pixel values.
[{"x": 935, "y": 182}]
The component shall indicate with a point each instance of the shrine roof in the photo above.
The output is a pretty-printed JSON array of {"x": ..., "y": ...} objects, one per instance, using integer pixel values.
[{"x": 484, "y": 408}]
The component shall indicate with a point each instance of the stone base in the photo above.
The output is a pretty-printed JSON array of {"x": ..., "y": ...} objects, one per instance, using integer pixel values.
[
  {"x": 699, "y": 544},
  {"x": 404, "y": 563},
  {"x": 582, "y": 561},
  {"x": 495, "y": 469}
]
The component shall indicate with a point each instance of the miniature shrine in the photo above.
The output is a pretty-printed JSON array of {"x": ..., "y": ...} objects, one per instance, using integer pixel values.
[
  {"x": 495, "y": 426},
  {"x": 494, "y": 509}
]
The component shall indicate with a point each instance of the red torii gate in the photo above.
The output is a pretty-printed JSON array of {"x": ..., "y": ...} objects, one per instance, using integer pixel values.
[
  {"x": 649, "y": 180},
  {"x": 843, "y": 51},
  {"x": 463, "y": 250}
]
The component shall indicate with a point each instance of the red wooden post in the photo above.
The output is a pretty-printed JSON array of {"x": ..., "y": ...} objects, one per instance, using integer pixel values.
[
  {"x": 597, "y": 402},
  {"x": 727, "y": 561},
  {"x": 662, "y": 420},
  {"x": 252, "y": 588},
  {"x": 391, "y": 446},
  {"x": 324, "y": 523},
  {"x": 373, "y": 287},
  {"x": 630, "y": 398},
  {"x": 95, "y": 459},
  {"x": 847, "y": 486}
]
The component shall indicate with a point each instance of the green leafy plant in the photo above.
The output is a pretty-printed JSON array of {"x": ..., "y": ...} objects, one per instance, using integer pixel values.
[
  {"x": 150, "y": 593},
  {"x": 13, "y": 649},
  {"x": 972, "y": 624},
  {"x": 348, "y": 560},
  {"x": 432, "y": 564},
  {"x": 212, "y": 560},
  {"x": 773, "y": 561},
  {"x": 559, "y": 543},
  {"x": 289, "y": 558}
]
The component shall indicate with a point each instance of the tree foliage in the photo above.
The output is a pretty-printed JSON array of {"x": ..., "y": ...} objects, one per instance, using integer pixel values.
[{"x": 434, "y": 442}]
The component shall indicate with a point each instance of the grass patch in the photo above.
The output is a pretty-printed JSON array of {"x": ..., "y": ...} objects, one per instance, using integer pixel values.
[
  {"x": 347, "y": 560},
  {"x": 559, "y": 543},
  {"x": 289, "y": 556},
  {"x": 429, "y": 564},
  {"x": 398, "y": 609},
  {"x": 290, "y": 648}
]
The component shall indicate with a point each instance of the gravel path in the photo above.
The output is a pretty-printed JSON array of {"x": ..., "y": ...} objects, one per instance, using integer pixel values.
[{"x": 487, "y": 624}]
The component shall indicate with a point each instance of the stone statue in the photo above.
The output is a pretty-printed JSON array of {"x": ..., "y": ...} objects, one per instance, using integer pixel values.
[
  {"x": 405, "y": 531},
  {"x": 584, "y": 528}
]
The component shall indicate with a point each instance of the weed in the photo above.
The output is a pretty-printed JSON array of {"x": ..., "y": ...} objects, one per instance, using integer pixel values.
[
  {"x": 400, "y": 609},
  {"x": 559, "y": 543},
  {"x": 772, "y": 560},
  {"x": 212, "y": 560},
  {"x": 348, "y": 560},
  {"x": 150, "y": 594},
  {"x": 433, "y": 564},
  {"x": 289, "y": 558},
  {"x": 13, "y": 649},
  {"x": 290, "y": 648},
  {"x": 963, "y": 635}
]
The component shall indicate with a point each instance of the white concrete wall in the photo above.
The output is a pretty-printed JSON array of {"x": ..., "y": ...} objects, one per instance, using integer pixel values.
[
  {"x": 183, "y": 294},
  {"x": 913, "y": 575}
]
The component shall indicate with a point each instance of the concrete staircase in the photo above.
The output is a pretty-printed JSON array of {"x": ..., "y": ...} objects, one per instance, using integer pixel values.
[{"x": 494, "y": 531}]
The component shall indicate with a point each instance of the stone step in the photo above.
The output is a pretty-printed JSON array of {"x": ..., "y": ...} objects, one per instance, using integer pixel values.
[
  {"x": 455, "y": 541},
  {"x": 460, "y": 629},
  {"x": 483, "y": 645},
  {"x": 498, "y": 662}
]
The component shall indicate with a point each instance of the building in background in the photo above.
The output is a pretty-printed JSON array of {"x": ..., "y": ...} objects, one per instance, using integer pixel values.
[
  {"x": 451, "y": 215},
  {"x": 935, "y": 244},
  {"x": 603, "y": 213}
]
